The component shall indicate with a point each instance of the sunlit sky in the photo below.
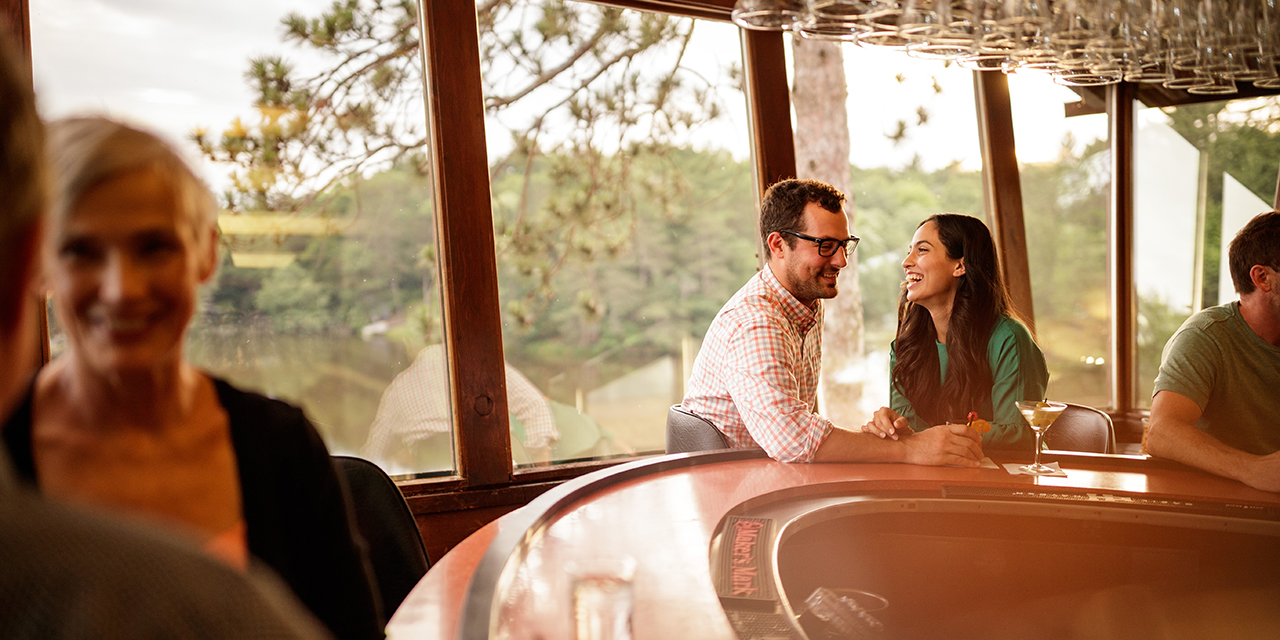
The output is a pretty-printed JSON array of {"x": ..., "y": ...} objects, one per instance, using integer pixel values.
[{"x": 174, "y": 66}]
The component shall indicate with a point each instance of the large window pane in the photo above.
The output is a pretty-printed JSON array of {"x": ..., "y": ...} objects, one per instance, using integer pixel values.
[
  {"x": 310, "y": 126},
  {"x": 913, "y": 152},
  {"x": 1202, "y": 172},
  {"x": 623, "y": 211},
  {"x": 1065, "y": 167}
]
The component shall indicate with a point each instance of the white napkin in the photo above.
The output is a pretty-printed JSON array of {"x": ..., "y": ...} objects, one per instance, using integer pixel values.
[
  {"x": 986, "y": 463},
  {"x": 1015, "y": 468}
]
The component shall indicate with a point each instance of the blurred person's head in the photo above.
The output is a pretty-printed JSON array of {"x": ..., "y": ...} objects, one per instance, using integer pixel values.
[
  {"x": 24, "y": 191},
  {"x": 1255, "y": 245},
  {"x": 131, "y": 237}
]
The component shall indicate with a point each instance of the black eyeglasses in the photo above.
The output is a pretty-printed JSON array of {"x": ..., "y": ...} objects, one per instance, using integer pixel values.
[{"x": 827, "y": 246}]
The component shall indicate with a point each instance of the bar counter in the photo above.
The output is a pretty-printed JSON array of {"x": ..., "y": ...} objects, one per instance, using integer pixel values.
[{"x": 668, "y": 513}]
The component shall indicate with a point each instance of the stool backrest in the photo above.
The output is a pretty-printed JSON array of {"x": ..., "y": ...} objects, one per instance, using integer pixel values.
[
  {"x": 1082, "y": 428},
  {"x": 395, "y": 545},
  {"x": 687, "y": 432}
]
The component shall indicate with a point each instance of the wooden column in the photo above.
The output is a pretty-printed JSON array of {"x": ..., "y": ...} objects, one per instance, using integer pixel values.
[
  {"x": 1121, "y": 114},
  {"x": 464, "y": 223},
  {"x": 17, "y": 23},
  {"x": 764, "y": 63},
  {"x": 1002, "y": 188},
  {"x": 17, "y": 15}
]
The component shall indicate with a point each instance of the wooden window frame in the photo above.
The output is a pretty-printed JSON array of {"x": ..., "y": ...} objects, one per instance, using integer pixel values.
[
  {"x": 485, "y": 476},
  {"x": 1122, "y": 369},
  {"x": 17, "y": 19},
  {"x": 1117, "y": 101},
  {"x": 1002, "y": 188},
  {"x": 473, "y": 326}
]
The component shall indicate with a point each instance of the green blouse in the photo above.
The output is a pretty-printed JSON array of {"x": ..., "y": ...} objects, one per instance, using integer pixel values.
[{"x": 1018, "y": 372}]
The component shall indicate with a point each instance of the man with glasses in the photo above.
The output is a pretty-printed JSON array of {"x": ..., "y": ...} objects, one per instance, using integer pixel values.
[{"x": 756, "y": 377}]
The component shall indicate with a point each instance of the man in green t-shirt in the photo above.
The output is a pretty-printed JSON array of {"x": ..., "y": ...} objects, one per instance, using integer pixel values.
[{"x": 1217, "y": 397}]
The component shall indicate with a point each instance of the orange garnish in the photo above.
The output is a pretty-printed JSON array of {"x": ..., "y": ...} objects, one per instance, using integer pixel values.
[{"x": 981, "y": 426}]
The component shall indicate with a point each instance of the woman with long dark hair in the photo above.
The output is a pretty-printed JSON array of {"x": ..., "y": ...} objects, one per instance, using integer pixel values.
[{"x": 959, "y": 347}]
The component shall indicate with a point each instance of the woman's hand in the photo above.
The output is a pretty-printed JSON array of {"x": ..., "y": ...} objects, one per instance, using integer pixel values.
[{"x": 886, "y": 423}]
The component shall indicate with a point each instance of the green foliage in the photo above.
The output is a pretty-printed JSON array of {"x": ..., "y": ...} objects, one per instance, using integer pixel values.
[
  {"x": 1157, "y": 322},
  {"x": 294, "y": 301},
  {"x": 375, "y": 269},
  {"x": 1241, "y": 138},
  {"x": 890, "y": 204},
  {"x": 627, "y": 290},
  {"x": 1065, "y": 205}
]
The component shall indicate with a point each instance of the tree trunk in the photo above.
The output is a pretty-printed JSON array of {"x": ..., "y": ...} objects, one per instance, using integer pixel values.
[{"x": 822, "y": 153}]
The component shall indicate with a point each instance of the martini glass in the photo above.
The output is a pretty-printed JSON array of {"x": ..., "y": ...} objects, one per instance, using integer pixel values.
[{"x": 1040, "y": 415}]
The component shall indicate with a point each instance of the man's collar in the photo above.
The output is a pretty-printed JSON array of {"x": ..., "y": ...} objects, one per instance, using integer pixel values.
[
  {"x": 1256, "y": 312},
  {"x": 800, "y": 314}
]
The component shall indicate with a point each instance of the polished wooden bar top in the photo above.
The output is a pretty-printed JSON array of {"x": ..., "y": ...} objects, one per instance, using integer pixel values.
[{"x": 664, "y": 511}]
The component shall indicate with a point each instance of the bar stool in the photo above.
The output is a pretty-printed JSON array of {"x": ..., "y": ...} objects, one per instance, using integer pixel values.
[{"x": 687, "y": 432}]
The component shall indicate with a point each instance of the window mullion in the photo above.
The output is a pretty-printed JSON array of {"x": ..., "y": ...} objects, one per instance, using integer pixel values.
[
  {"x": 1002, "y": 188},
  {"x": 468, "y": 264},
  {"x": 1120, "y": 108},
  {"x": 768, "y": 107}
]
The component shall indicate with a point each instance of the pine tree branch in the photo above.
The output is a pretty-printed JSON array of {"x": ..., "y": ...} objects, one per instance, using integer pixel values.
[
  {"x": 342, "y": 88},
  {"x": 494, "y": 104},
  {"x": 349, "y": 57},
  {"x": 486, "y": 8},
  {"x": 524, "y": 195}
]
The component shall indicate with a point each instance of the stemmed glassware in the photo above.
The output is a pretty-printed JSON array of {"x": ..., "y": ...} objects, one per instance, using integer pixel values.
[
  {"x": 1204, "y": 46},
  {"x": 1040, "y": 415}
]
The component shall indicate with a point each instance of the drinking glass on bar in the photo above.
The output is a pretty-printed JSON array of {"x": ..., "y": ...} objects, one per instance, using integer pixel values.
[
  {"x": 601, "y": 596},
  {"x": 1040, "y": 416}
]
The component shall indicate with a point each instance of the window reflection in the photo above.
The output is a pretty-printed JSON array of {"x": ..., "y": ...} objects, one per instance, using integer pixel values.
[
  {"x": 1201, "y": 172},
  {"x": 623, "y": 208},
  {"x": 328, "y": 283},
  {"x": 1065, "y": 168},
  {"x": 413, "y": 426},
  {"x": 914, "y": 152}
]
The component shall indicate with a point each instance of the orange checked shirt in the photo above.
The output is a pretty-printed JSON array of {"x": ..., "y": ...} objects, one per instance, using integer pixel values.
[{"x": 756, "y": 376}]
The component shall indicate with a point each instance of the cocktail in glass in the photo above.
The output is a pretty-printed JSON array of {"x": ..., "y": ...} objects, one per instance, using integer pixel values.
[{"x": 1040, "y": 415}]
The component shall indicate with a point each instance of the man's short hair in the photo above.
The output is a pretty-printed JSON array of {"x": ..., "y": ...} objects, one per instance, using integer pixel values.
[
  {"x": 1257, "y": 243},
  {"x": 23, "y": 174},
  {"x": 783, "y": 206}
]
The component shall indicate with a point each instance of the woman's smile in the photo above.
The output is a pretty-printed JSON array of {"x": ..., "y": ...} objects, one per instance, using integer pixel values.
[
  {"x": 930, "y": 275},
  {"x": 122, "y": 326},
  {"x": 126, "y": 267}
]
